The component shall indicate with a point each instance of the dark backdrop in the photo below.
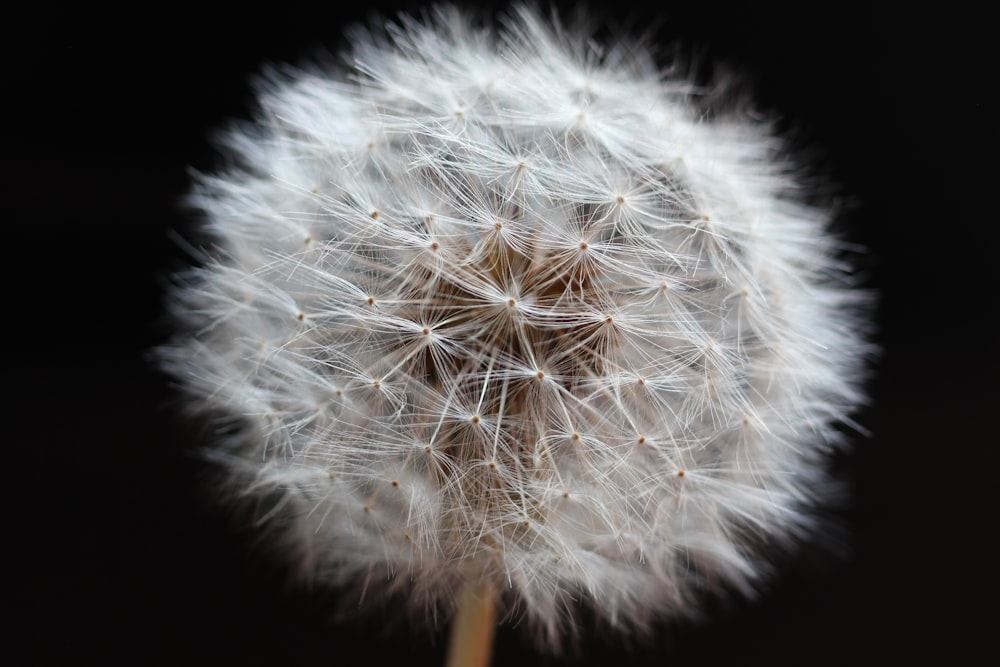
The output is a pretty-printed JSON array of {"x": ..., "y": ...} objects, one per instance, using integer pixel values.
[{"x": 112, "y": 553}]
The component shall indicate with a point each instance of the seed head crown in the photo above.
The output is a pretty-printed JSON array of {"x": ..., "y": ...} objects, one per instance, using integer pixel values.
[{"x": 507, "y": 308}]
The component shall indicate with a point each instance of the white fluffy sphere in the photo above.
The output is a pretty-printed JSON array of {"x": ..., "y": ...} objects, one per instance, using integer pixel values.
[{"x": 504, "y": 307}]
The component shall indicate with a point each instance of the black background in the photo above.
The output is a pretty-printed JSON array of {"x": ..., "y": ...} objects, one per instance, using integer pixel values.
[{"x": 111, "y": 551}]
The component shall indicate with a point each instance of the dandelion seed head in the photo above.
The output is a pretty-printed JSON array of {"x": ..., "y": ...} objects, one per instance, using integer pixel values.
[{"x": 548, "y": 327}]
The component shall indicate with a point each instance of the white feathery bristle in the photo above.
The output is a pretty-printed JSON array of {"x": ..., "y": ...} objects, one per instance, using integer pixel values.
[{"x": 501, "y": 306}]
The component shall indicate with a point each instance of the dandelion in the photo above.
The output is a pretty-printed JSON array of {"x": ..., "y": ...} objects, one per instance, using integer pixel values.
[{"x": 498, "y": 320}]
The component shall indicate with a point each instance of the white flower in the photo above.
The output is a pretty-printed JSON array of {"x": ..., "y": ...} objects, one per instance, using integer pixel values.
[{"x": 507, "y": 308}]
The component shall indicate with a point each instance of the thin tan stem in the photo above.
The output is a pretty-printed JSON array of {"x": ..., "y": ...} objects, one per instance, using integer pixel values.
[{"x": 471, "y": 641}]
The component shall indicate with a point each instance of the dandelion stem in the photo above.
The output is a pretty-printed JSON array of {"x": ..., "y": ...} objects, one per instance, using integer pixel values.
[{"x": 471, "y": 641}]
